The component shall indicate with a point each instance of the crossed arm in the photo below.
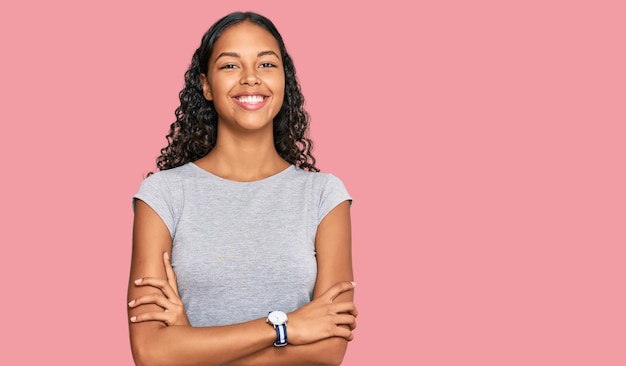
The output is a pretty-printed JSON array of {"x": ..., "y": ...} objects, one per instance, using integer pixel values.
[{"x": 160, "y": 332}]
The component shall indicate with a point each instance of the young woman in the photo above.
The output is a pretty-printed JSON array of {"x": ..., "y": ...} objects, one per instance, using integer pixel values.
[{"x": 260, "y": 243}]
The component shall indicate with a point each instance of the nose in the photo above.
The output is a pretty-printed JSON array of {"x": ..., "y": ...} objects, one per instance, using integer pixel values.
[{"x": 250, "y": 77}]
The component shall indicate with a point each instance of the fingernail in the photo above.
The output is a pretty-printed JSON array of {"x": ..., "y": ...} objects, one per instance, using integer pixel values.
[
  {"x": 353, "y": 284},
  {"x": 133, "y": 318},
  {"x": 167, "y": 256},
  {"x": 138, "y": 281},
  {"x": 131, "y": 303}
]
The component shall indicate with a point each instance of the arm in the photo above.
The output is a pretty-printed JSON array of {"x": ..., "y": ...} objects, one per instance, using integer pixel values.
[
  {"x": 154, "y": 343},
  {"x": 334, "y": 263}
]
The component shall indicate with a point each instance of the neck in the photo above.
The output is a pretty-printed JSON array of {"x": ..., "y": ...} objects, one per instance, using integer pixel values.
[{"x": 243, "y": 159}]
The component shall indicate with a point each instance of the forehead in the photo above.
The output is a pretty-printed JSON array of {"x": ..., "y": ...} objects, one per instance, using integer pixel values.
[{"x": 245, "y": 37}]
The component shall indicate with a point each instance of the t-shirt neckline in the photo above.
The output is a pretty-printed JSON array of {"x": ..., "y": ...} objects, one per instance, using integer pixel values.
[{"x": 217, "y": 177}]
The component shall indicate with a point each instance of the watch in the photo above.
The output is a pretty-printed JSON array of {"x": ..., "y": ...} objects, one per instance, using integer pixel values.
[{"x": 279, "y": 320}]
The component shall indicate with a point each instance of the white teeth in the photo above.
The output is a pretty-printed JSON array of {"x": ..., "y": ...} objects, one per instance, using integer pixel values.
[{"x": 251, "y": 99}]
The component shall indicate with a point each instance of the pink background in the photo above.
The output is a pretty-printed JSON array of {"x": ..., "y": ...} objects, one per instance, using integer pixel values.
[{"x": 483, "y": 144}]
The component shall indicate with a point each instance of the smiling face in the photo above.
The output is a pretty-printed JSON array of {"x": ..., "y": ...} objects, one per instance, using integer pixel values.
[{"x": 245, "y": 78}]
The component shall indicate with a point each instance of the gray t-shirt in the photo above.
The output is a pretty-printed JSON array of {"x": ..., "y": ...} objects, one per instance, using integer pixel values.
[{"x": 242, "y": 249}]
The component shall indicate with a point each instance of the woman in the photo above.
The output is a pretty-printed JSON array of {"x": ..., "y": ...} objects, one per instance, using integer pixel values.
[{"x": 252, "y": 226}]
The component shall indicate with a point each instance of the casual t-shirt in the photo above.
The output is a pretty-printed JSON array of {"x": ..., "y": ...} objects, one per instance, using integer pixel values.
[{"x": 242, "y": 249}]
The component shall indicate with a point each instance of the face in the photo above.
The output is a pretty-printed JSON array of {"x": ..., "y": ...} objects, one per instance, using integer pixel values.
[{"x": 245, "y": 78}]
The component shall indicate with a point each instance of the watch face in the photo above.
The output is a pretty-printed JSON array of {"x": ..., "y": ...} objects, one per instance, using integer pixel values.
[{"x": 277, "y": 317}]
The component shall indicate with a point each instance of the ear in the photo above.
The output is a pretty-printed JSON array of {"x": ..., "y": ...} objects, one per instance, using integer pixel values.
[{"x": 206, "y": 89}]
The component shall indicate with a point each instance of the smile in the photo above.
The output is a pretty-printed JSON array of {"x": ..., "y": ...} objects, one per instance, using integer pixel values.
[
  {"x": 250, "y": 99},
  {"x": 251, "y": 102}
]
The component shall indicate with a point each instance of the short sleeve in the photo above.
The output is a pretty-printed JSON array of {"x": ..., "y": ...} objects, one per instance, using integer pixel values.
[
  {"x": 156, "y": 193},
  {"x": 333, "y": 193}
]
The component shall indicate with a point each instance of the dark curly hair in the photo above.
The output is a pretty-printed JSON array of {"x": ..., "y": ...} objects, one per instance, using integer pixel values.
[{"x": 194, "y": 133}]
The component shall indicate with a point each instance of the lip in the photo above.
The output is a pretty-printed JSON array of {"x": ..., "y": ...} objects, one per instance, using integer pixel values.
[{"x": 254, "y": 104}]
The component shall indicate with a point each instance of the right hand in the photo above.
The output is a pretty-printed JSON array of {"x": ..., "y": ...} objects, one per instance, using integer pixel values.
[
  {"x": 169, "y": 299},
  {"x": 323, "y": 318}
]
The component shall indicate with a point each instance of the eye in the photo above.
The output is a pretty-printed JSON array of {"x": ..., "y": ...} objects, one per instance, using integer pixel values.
[
  {"x": 228, "y": 66},
  {"x": 267, "y": 64}
]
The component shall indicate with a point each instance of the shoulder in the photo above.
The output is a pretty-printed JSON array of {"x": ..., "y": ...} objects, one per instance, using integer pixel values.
[
  {"x": 321, "y": 178},
  {"x": 169, "y": 175},
  {"x": 324, "y": 184},
  {"x": 165, "y": 182},
  {"x": 328, "y": 182}
]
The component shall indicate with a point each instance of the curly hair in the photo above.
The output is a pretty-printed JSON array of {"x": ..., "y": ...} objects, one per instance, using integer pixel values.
[{"x": 194, "y": 133}]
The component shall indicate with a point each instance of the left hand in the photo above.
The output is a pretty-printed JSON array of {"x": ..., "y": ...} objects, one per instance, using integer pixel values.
[
  {"x": 323, "y": 317},
  {"x": 168, "y": 298}
]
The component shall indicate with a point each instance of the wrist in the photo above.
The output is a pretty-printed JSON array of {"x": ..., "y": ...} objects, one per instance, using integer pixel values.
[{"x": 278, "y": 320}]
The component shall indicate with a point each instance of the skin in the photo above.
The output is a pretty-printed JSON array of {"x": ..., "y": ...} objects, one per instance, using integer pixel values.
[
  {"x": 236, "y": 69},
  {"x": 245, "y": 61}
]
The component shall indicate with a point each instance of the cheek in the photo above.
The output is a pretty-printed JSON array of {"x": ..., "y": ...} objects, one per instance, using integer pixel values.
[
  {"x": 280, "y": 91},
  {"x": 220, "y": 96},
  {"x": 219, "y": 85}
]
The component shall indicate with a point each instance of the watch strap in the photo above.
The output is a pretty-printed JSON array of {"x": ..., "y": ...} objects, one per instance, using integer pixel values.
[{"x": 281, "y": 335}]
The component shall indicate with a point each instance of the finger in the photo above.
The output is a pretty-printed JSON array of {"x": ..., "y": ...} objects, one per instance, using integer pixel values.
[
  {"x": 161, "y": 284},
  {"x": 167, "y": 318},
  {"x": 343, "y": 333},
  {"x": 169, "y": 271},
  {"x": 338, "y": 289},
  {"x": 352, "y": 325},
  {"x": 344, "y": 307},
  {"x": 157, "y": 299},
  {"x": 346, "y": 319}
]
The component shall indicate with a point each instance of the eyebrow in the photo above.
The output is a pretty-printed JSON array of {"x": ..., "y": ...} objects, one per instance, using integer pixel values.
[{"x": 235, "y": 54}]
